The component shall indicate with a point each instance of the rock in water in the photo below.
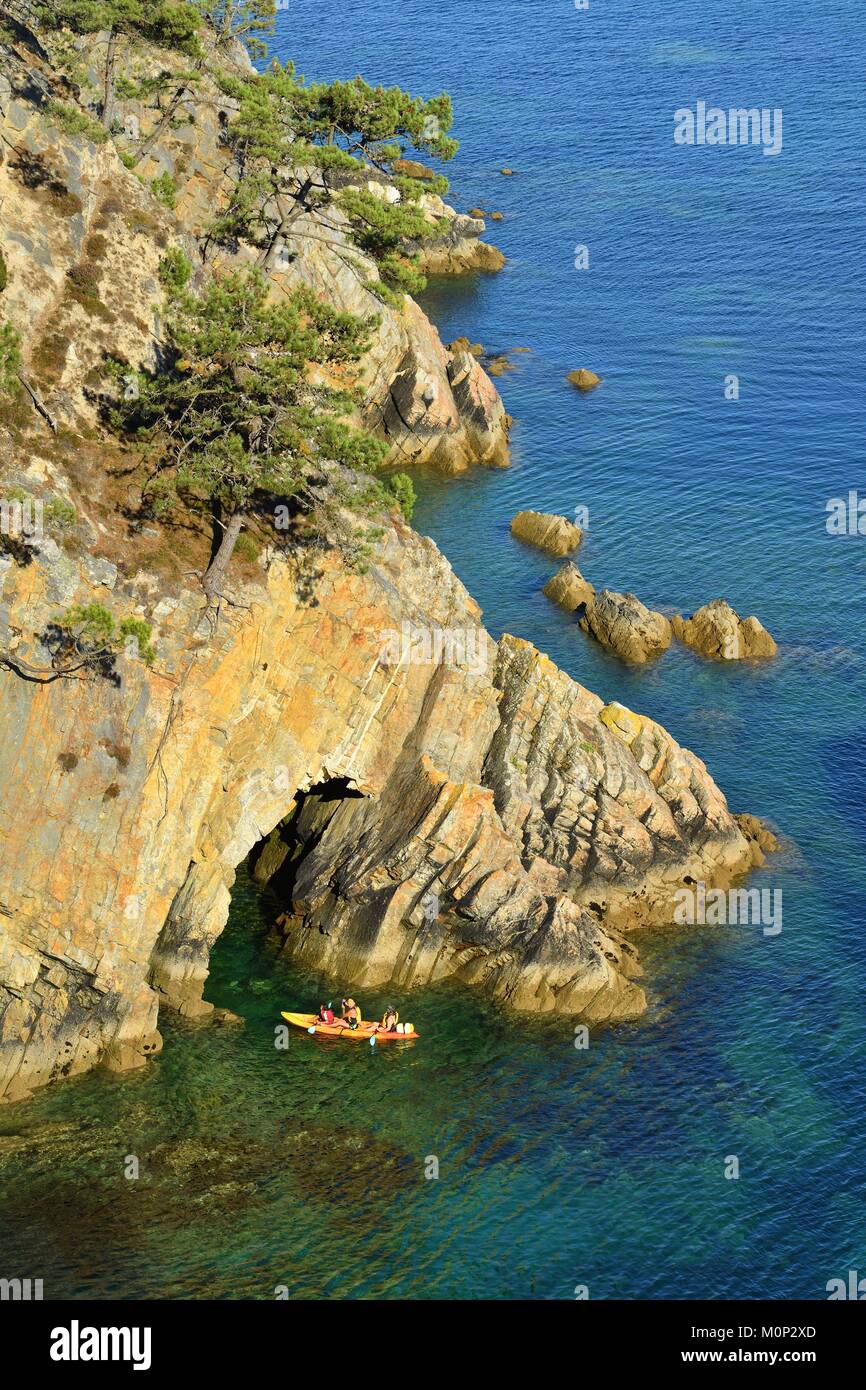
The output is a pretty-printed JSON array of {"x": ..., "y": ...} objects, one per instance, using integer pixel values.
[
  {"x": 717, "y": 631},
  {"x": 568, "y": 587},
  {"x": 625, "y": 625},
  {"x": 583, "y": 379},
  {"x": 555, "y": 534}
]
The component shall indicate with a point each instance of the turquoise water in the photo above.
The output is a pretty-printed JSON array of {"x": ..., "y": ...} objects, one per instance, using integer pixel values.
[{"x": 558, "y": 1167}]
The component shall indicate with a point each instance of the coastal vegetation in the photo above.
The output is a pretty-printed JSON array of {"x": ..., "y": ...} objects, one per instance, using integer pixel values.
[
  {"x": 252, "y": 404},
  {"x": 233, "y": 417}
]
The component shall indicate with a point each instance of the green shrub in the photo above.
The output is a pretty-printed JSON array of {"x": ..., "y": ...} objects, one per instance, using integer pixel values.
[
  {"x": 164, "y": 189},
  {"x": 247, "y": 547},
  {"x": 59, "y": 512},
  {"x": 95, "y": 633},
  {"x": 10, "y": 358},
  {"x": 401, "y": 488},
  {"x": 175, "y": 270},
  {"x": 75, "y": 122}
]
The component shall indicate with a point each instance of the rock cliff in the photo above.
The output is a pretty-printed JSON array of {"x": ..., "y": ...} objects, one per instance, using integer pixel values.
[{"x": 456, "y": 807}]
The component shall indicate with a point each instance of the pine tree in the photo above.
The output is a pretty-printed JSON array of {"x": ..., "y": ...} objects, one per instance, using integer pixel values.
[
  {"x": 172, "y": 23},
  {"x": 244, "y": 20},
  {"x": 236, "y": 419},
  {"x": 284, "y": 125}
]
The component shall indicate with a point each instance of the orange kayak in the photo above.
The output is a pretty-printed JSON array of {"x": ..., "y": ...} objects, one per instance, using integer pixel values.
[{"x": 363, "y": 1032}]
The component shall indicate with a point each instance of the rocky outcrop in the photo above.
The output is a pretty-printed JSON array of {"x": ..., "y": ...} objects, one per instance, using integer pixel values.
[
  {"x": 460, "y": 249},
  {"x": 716, "y": 631},
  {"x": 554, "y": 534},
  {"x": 455, "y": 807},
  {"x": 625, "y": 625},
  {"x": 760, "y": 837},
  {"x": 83, "y": 238},
  {"x": 568, "y": 588}
]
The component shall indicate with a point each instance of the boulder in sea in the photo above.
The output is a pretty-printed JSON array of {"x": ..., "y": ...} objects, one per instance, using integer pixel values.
[
  {"x": 477, "y": 212},
  {"x": 717, "y": 631},
  {"x": 506, "y": 171},
  {"x": 625, "y": 625},
  {"x": 496, "y": 216},
  {"x": 584, "y": 379},
  {"x": 568, "y": 587},
  {"x": 555, "y": 534}
]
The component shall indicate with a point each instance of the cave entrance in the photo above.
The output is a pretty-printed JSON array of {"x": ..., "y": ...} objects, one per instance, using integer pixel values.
[{"x": 274, "y": 862}]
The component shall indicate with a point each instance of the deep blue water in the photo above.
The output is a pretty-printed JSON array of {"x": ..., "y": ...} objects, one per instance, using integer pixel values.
[{"x": 561, "y": 1167}]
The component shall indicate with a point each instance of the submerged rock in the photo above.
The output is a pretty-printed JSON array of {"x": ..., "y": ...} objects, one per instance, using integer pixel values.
[
  {"x": 717, "y": 631},
  {"x": 568, "y": 587},
  {"x": 625, "y": 625},
  {"x": 555, "y": 534}
]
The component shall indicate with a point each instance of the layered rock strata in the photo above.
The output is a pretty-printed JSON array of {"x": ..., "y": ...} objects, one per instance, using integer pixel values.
[{"x": 460, "y": 807}]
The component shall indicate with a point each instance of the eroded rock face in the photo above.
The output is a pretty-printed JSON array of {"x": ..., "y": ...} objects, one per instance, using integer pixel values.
[
  {"x": 568, "y": 588},
  {"x": 555, "y": 534},
  {"x": 625, "y": 625},
  {"x": 717, "y": 631},
  {"x": 492, "y": 786}
]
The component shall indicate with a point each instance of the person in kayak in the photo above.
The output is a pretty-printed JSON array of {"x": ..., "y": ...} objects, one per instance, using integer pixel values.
[
  {"x": 326, "y": 1013},
  {"x": 390, "y": 1019},
  {"x": 350, "y": 1013}
]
